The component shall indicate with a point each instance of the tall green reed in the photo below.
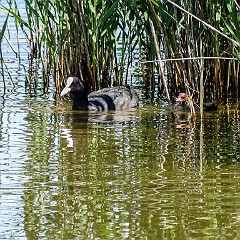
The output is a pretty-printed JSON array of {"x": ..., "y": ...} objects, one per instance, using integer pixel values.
[
  {"x": 2, "y": 31},
  {"x": 96, "y": 40}
]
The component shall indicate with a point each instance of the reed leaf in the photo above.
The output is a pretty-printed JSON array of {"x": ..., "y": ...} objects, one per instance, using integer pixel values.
[
  {"x": 11, "y": 13},
  {"x": 2, "y": 31}
]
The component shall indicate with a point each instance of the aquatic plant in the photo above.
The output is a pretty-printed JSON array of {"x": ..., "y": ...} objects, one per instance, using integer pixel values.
[{"x": 105, "y": 42}]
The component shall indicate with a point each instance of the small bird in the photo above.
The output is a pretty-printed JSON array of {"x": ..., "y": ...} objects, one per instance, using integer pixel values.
[
  {"x": 114, "y": 98},
  {"x": 183, "y": 104}
]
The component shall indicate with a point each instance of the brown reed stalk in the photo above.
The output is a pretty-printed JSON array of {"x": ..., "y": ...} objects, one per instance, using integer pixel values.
[{"x": 161, "y": 72}]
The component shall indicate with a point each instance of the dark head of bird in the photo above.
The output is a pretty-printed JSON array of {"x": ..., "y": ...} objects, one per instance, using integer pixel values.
[{"x": 76, "y": 87}]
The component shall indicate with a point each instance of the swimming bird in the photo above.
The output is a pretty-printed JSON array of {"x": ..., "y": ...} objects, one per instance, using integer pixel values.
[
  {"x": 114, "y": 98},
  {"x": 183, "y": 104}
]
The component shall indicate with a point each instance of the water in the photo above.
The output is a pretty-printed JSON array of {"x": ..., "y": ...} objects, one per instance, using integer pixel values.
[{"x": 114, "y": 175}]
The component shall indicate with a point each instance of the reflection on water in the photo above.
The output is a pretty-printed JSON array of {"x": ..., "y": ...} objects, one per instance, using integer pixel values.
[{"x": 117, "y": 175}]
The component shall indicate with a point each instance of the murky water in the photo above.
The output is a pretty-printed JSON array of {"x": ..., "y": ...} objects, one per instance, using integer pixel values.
[{"x": 114, "y": 175}]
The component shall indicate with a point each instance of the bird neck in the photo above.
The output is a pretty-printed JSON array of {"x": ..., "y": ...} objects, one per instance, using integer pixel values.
[
  {"x": 80, "y": 102},
  {"x": 186, "y": 104},
  {"x": 183, "y": 105}
]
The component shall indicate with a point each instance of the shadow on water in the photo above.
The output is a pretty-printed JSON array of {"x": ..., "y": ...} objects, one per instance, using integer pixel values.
[{"x": 77, "y": 121}]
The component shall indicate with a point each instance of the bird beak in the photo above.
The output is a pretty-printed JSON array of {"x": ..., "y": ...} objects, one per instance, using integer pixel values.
[{"x": 67, "y": 89}]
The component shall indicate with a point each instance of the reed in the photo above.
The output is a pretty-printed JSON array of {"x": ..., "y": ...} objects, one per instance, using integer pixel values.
[
  {"x": 2, "y": 31},
  {"x": 188, "y": 29},
  {"x": 97, "y": 40}
]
